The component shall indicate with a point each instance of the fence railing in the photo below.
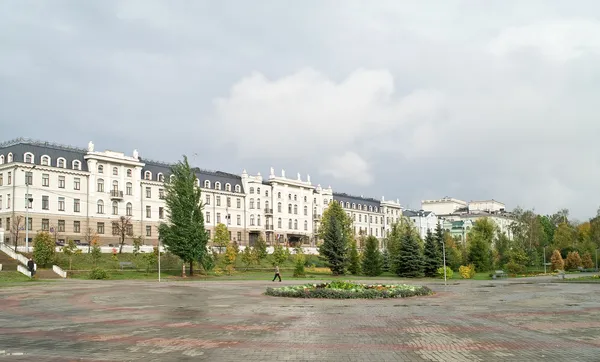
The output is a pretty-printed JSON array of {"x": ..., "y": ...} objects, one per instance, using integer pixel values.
[
  {"x": 59, "y": 271},
  {"x": 21, "y": 269},
  {"x": 8, "y": 251}
]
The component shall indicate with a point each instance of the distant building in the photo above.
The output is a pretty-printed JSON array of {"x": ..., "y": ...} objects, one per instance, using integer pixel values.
[{"x": 422, "y": 220}]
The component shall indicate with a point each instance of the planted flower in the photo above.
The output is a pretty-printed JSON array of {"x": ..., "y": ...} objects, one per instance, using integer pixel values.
[{"x": 345, "y": 290}]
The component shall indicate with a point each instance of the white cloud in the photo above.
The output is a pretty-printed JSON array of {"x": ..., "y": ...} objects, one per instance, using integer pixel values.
[{"x": 351, "y": 168}]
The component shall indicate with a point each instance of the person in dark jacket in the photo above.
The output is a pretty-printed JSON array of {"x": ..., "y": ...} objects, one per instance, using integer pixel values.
[{"x": 31, "y": 266}]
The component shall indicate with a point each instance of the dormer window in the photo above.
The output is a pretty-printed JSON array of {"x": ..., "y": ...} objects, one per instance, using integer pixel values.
[
  {"x": 28, "y": 157},
  {"x": 9, "y": 158},
  {"x": 61, "y": 163},
  {"x": 45, "y": 160},
  {"x": 228, "y": 187},
  {"x": 76, "y": 165},
  {"x": 100, "y": 169},
  {"x": 206, "y": 184},
  {"x": 148, "y": 175},
  {"x": 238, "y": 188},
  {"x": 217, "y": 185},
  {"x": 161, "y": 178}
]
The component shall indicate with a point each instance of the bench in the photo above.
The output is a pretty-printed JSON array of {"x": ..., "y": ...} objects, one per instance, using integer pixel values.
[
  {"x": 499, "y": 274},
  {"x": 561, "y": 274},
  {"x": 127, "y": 264}
]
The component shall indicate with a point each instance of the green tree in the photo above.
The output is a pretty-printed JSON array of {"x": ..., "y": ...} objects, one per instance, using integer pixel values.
[
  {"x": 409, "y": 262},
  {"x": 432, "y": 255},
  {"x": 385, "y": 256},
  {"x": 230, "y": 257},
  {"x": 354, "y": 267},
  {"x": 221, "y": 238},
  {"x": 43, "y": 249},
  {"x": 69, "y": 250},
  {"x": 334, "y": 249},
  {"x": 480, "y": 239},
  {"x": 393, "y": 242},
  {"x": 343, "y": 219},
  {"x": 95, "y": 252},
  {"x": 299, "y": 262},
  {"x": 502, "y": 246},
  {"x": 372, "y": 262},
  {"x": 260, "y": 248},
  {"x": 453, "y": 252},
  {"x": 184, "y": 233},
  {"x": 138, "y": 241},
  {"x": 279, "y": 255},
  {"x": 249, "y": 257},
  {"x": 564, "y": 236}
]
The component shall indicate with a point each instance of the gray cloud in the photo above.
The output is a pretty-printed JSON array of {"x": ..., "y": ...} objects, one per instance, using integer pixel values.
[{"x": 408, "y": 100}]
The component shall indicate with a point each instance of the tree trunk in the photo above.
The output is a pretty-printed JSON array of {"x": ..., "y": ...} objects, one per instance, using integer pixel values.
[
  {"x": 121, "y": 247},
  {"x": 191, "y": 268},
  {"x": 183, "y": 270}
]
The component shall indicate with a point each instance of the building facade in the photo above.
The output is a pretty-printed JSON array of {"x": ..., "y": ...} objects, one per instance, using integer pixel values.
[
  {"x": 422, "y": 220},
  {"x": 77, "y": 193}
]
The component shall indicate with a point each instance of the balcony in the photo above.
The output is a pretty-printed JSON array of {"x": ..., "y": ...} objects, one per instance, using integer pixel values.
[
  {"x": 317, "y": 216},
  {"x": 268, "y": 211},
  {"x": 269, "y": 228},
  {"x": 116, "y": 195}
]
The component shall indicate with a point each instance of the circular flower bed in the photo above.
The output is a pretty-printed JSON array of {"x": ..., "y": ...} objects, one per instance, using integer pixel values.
[{"x": 349, "y": 290}]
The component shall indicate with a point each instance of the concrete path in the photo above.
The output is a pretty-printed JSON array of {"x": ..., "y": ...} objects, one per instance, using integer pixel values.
[{"x": 508, "y": 320}]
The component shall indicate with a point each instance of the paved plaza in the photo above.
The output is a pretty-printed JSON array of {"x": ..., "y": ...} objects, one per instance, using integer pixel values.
[{"x": 513, "y": 320}]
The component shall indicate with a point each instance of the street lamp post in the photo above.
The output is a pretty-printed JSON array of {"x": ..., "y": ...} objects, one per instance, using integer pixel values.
[
  {"x": 27, "y": 201},
  {"x": 544, "y": 260},
  {"x": 596, "y": 260}
]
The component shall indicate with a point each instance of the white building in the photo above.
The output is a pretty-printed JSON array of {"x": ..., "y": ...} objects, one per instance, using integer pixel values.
[
  {"x": 486, "y": 206},
  {"x": 422, "y": 221},
  {"x": 78, "y": 192},
  {"x": 444, "y": 206}
]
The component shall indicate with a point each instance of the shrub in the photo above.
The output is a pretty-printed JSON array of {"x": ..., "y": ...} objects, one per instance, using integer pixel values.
[
  {"x": 586, "y": 261},
  {"x": 515, "y": 268},
  {"x": 299, "y": 271},
  {"x": 98, "y": 274},
  {"x": 449, "y": 272},
  {"x": 208, "y": 261},
  {"x": 557, "y": 261},
  {"x": 573, "y": 261},
  {"x": 467, "y": 271},
  {"x": 348, "y": 290},
  {"x": 43, "y": 249}
]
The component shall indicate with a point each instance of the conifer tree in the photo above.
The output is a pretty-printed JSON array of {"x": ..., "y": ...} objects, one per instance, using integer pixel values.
[
  {"x": 386, "y": 260},
  {"x": 372, "y": 261},
  {"x": 334, "y": 249},
  {"x": 354, "y": 267},
  {"x": 184, "y": 232},
  {"x": 409, "y": 262},
  {"x": 431, "y": 255},
  {"x": 260, "y": 248},
  {"x": 393, "y": 242}
]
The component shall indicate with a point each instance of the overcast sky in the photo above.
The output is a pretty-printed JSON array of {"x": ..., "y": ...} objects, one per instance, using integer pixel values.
[{"x": 408, "y": 99}]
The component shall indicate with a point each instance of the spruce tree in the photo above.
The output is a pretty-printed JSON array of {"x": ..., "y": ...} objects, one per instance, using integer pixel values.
[
  {"x": 386, "y": 260},
  {"x": 431, "y": 255},
  {"x": 184, "y": 232},
  {"x": 354, "y": 267},
  {"x": 393, "y": 242},
  {"x": 334, "y": 249},
  {"x": 372, "y": 261},
  {"x": 409, "y": 263}
]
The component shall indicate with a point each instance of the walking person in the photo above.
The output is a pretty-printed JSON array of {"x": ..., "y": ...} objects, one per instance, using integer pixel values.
[
  {"x": 277, "y": 275},
  {"x": 31, "y": 266}
]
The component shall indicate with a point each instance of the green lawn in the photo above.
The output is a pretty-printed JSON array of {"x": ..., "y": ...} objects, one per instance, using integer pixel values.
[{"x": 12, "y": 277}]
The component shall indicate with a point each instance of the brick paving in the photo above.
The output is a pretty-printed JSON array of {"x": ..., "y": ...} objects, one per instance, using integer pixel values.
[{"x": 509, "y": 320}]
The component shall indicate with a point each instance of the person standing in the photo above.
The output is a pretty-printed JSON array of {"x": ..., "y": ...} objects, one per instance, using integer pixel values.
[
  {"x": 277, "y": 275},
  {"x": 31, "y": 266}
]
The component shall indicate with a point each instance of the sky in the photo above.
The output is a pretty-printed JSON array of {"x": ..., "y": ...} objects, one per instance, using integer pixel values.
[{"x": 410, "y": 100}]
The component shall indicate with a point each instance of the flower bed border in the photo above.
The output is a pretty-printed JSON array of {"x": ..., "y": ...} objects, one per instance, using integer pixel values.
[{"x": 365, "y": 291}]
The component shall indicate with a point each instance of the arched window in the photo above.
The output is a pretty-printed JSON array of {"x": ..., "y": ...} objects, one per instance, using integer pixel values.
[
  {"x": 100, "y": 185},
  {"x": 251, "y": 190},
  {"x": 289, "y": 208},
  {"x": 100, "y": 205},
  {"x": 100, "y": 169},
  {"x": 1, "y": 159},
  {"x": 305, "y": 210},
  {"x": 370, "y": 208},
  {"x": 115, "y": 208},
  {"x": 116, "y": 185},
  {"x": 258, "y": 204},
  {"x": 353, "y": 205},
  {"x": 61, "y": 163},
  {"x": 45, "y": 160},
  {"x": 305, "y": 199},
  {"x": 360, "y": 207},
  {"x": 279, "y": 223},
  {"x": 348, "y": 205},
  {"x": 295, "y": 224},
  {"x": 296, "y": 209},
  {"x": 238, "y": 188},
  {"x": 228, "y": 187},
  {"x": 76, "y": 165},
  {"x": 252, "y": 203},
  {"x": 129, "y": 188},
  {"x": 217, "y": 185},
  {"x": 295, "y": 198},
  {"x": 279, "y": 195},
  {"x": 279, "y": 207},
  {"x": 375, "y": 209},
  {"x": 251, "y": 220},
  {"x": 258, "y": 190},
  {"x": 28, "y": 157},
  {"x": 305, "y": 225},
  {"x": 258, "y": 220},
  {"x": 290, "y": 224},
  {"x": 147, "y": 175},
  {"x": 115, "y": 171},
  {"x": 266, "y": 204},
  {"x": 207, "y": 184},
  {"x": 290, "y": 197},
  {"x": 267, "y": 193},
  {"x": 129, "y": 172},
  {"x": 161, "y": 177},
  {"x": 129, "y": 209},
  {"x": 9, "y": 158}
]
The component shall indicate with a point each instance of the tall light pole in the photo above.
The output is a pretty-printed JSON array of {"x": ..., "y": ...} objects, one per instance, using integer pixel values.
[
  {"x": 596, "y": 260},
  {"x": 444, "y": 252},
  {"x": 544, "y": 260},
  {"x": 27, "y": 201}
]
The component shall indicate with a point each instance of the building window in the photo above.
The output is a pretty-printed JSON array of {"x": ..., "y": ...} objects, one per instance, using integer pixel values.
[
  {"x": 252, "y": 203},
  {"x": 100, "y": 185},
  {"x": 218, "y": 218},
  {"x": 45, "y": 203},
  {"x": 295, "y": 224},
  {"x": 29, "y": 178},
  {"x": 239, "y": 220},
  {"x": 148, "y": 230},
  {"x": 129, "y": 209},
  {"x": 28, "y": 158},
  {"x": 9, "y": 159},
  {"x": 148, "y": 212},
  {"x": 76, "y": 226},
  {"x": 100, "y": 206},
  {"x": 217, "y": 185},
  {"x": 305, "y": 210},
  {"x": 129, "y": 172},
  {"x": 305, "y": 199},
  {"x": 228, "y": 187},
  {"x": 45, "y": 161},
  {"x": 76, "y": 183},
  {"x": 279, "y": 195},
  {"x": 61, "y": 204},
  {"x": 251, "y": 220},
  {"x": 251, "y": 190},
  {"x": 115, "y": 228},
  {"x": 207, "y": 200},
  {"x": 9, "y": 178},
  {"x": 206, "y": 184},
  {"x": 147, "y": 175},
  {"x": 1, "y": 179},
  {"x": 148, "y": 192},
  {"x": 100, "y": 169},
  {"x": 239, "y": 235},
  {"x": 1, "y": 163},
  {"x": 45, "y": 180},
  {"x": 305, "y": 225},
  {"x": 295, "y": 209},
  {"x": 8, "y": 201},
  {"x": 207, "y": 217},
  {"x": 228, "y": 201},
  {"x": 289, "y": 208},
  {"x": 258, "y": 220},
  {"x": 161, "y": 177},
  {"x": 290, "y": 224},
  {"x": 61, "y": 163},
  {"x": 279, "y": 207},
  {"x": 115, "y": 186},
  {"x": 238, "y": 188},
  {"x": 29, "y": 223},
  {"x": 115, "y": 208},
  {"x": 161, "y": 194},
  {"x": 161, "y": 212},
  {"x": 129, "y": 189},
  {"x": 61, "y": 182},
  {"x": 218, "y": 200},
  {"x": 290, "y": 197},
  {"x": 0, "y": 208},
  {"x": 258, "y": 204},
  {"x": 76, "y": 165},
  {"x": 100, "y": 228},
  {"x": 61, "y": 226},
  {"x": 45, "y": 225},
  {"x": 239, "y": 203},
  {"x": 115, "y": 171},
  {"x": 28, "y": 201},
  {"x": 76, "y": 205}
]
